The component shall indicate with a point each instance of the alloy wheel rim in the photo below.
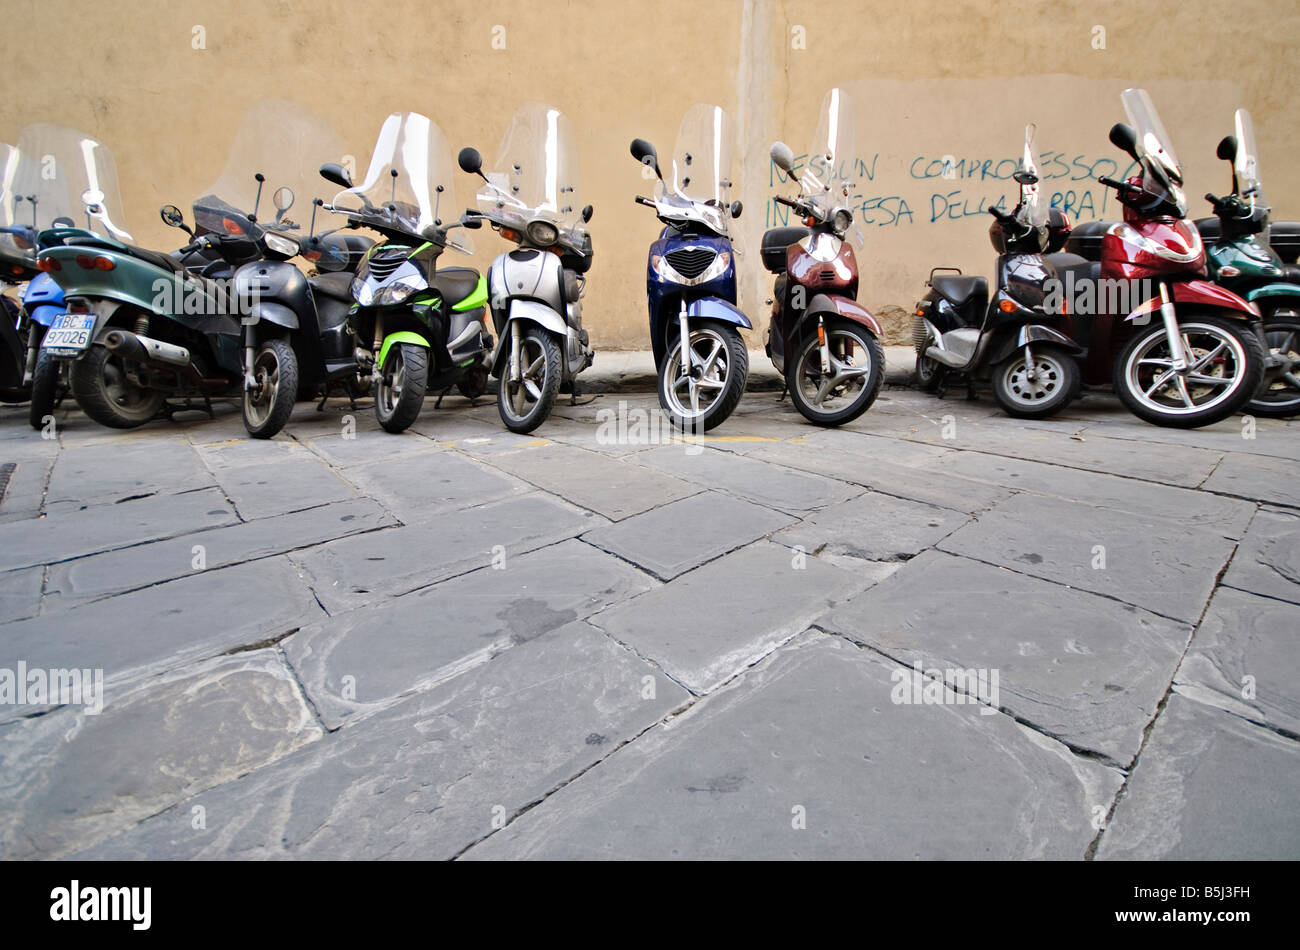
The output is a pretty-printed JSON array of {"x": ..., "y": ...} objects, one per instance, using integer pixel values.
[
  {"x": 1284, "y": 388},
  {"x": 1215, "y": 373},
  {"x": 693, "y": 395},
  {"x": 1033, "y": 391},
  {"x": 524, "y": 393},
  {"x": 266, "y": 370},
  {"x": 829, "y": 393},
  {"x": 391, "y": 383}
]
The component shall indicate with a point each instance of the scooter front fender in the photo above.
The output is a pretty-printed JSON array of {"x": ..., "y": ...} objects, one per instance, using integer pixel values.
[
  {"x": 715, "y": 308},
  {"x": 1274, "y": 291},
  {"x": 836, "y": 305},
  {"x": 1028, "y": 335},
  {"x": 401, "y": 336},
  {"x": 527, "y": 311},
  {"x": 1199, "y": 293},
  {"x": 272, "y": 312}
]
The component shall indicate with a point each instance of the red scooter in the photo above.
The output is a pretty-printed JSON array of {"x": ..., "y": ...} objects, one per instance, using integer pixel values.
[{"x": 1188, "y": 353}]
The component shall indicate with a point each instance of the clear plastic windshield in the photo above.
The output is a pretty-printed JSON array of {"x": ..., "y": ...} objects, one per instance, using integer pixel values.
[
  {"x": 1246, "y": 165},
  {"x": 411, "y": 161},
  {"x": 64, "y": 173},
  {"x": 285, "y": 143},
  {"x": 15, "y": 246},
  {"x": 1154, "y": 146},
  {"x": 828, "y": 177},
  {"x": 698, "y": 183},
  {"x": 535, "y": 174},
  {"x": 1033, "y": 210}
]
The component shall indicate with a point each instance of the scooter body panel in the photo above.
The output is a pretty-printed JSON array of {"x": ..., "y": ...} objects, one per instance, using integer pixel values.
[{"x": 707, "y": 287}]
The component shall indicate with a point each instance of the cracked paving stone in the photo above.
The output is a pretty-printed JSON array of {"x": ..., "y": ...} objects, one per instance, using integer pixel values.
[
  {"x": 70, "y": 779},
  {"x": 70, "y": 534},
  {"x": 875, "y": 527},
  {"x": 108, "y": 472},
  {"x": 1208, "y": 786},
  {"x": 101, "y": 575},
  {"x": 709, "y": 624},
  {"x": 1085, "y": 669},
  {"x": 427, "y": 777},
  {"x": 1247, "y": 636},
  {"x": 275, "y": 488},
  {"x": 20, "y": 593},
  {"x": 1164, "y": 566},
  {"x": 1267, "y": 480},
  {"x": 811, "y": 737},
  {"x": 684, "y": 534},
  {"x": 347, "y": 662},
  {"x": 1267, "y": 561},
  {"x": 163, "y": 627},
  {"x": 359, "y": 570}
]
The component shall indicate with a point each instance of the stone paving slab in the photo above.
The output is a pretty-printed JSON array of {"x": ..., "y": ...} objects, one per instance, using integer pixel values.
[
  {"x": 362, "y": 660},
  {"x": 1243, "y": 636},
  {"x": 70, "y": 779},
  {"x": 768, "y": 485},
  {"x": 1209, "y": 786},
  {"x": 612, "y": 487},
  {"x": 1267, "y": 561},
  {"x": 424, "y": 485},
  {"x": 710, "y": 624},
  {"x": 1082, "y": 668},
  {"x": 1267, "y": 480},
  {"x": 109, "y": 472},
  {"x": 264, "y": 489},
  {"x": 810, "y": 737},
  {"x": 875, "y": 527},
  {"x": 359, "y": 570},
  {"x": 102, "y": 575},
  {"x": 428, "y": 777},
  {"x": 682, "y": 535},
  {"x": 1163, "y": 566},
  {"x": 20, "y": 593},
  {"x": 164, "y": 627},
  {"x": 70, "y": 534}
]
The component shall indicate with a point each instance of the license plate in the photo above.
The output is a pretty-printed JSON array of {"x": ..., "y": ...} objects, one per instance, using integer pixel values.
[{"x": 69, "y": 334}]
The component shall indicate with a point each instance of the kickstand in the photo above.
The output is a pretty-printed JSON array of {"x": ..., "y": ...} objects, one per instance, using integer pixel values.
[
  {"x": 440, "y": 395},
  {"x": 785, "y": 388},
  {"x": 970, "y": 389},
  {"x": 320, "y": 407}
]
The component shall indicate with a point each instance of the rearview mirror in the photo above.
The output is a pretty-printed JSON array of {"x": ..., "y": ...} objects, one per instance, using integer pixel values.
[
  {"x": 1227, "y": 149},
  {"x": 335, "y": 173},
  {"x": 587, "y": 212},
  {"x": 645, "y": 153},
  {"x": 783, "y": 157},
  {"x": 282, "y": 199},
  {"x": 171, "y": 216},
  {"x": 1124, "y": 138},
  {"x": 92, "y": 198},
  {"x": 470, "y": 161},
  {"x": 736, "y": 208}
]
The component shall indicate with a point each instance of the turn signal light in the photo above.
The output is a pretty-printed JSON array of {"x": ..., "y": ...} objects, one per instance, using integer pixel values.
[
  {"x": 86, "y": 262},
  {"x": 231, "y": 226},
  {"x": 49, "y": 265},
  {"x": 809, "y": 221},
  {"x": 1006, "y": 306},
  {"x": 510, "y": 234}
]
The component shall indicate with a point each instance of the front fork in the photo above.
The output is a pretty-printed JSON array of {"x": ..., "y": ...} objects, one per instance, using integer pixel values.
[
  {"x": 516, "y": 343},
  {"x": 35, "y": 334},
  {"x": 1173, "y": 332},
  {"x": 823, "y": 344},
  {"x": 250, "y": 354},
  {"x": 688, "y": 354}
]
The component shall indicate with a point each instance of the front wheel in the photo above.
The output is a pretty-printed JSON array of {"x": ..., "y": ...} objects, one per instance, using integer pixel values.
[
  {"x": 399, "y": 392},
  {"x": 1226, "y": 364},
  {"x": 708, "y": 393},
  {"x": 524, "y": 403},
  {"x": 1039, "y": 390},
  {"x": 835, "y": 383},
  {"x": 268, "y": 405},
  {"x": 108, "y": 394},
  {"x": 45, "y": 390},
  {"x": 1279, "y": 395}
]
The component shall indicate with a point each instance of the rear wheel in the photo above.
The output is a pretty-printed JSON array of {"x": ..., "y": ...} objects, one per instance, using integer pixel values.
[
  {"x": 706, "y": 395},
  {"x": 399, "y": 393},
  {"x": 831, "y": 395},
  {"x": 1279, "y": 395},
  {"x": 45, "y": 389},
  {"x": 106, "y": 393},
  {"x": 269, "y": 404},
  {"x": 1037, "y": 391},
  {"x": 1226, "y": 366},
  {"x": 525, "y": 403}
]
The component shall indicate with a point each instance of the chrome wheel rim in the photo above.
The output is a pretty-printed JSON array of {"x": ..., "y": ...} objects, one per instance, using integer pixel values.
[
  {"x": 391, "y": 383},
  {"x": 522, "y": 394},
  {"x": 693, "y": 395},
  {"x": 841, "y": 387},
  {"x": 1217, "y": 367},
  {"x": 1032, "y": 389},
  {"x": 258, "y": 400}
]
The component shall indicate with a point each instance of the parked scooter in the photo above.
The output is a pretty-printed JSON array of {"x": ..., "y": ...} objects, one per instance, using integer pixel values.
[
  {"x": 691, "y": 277},
  {"x": 1012, "y": 339},
  {"x": 1182, "y": 352},
  {"x": 535, "y": 292},
  {"x": 825, "y": 343},
  {"x": 408, "y": 314},
  {"x": 17, "y": 267}
]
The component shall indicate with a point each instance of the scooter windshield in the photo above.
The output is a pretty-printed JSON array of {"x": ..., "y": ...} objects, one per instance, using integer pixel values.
[
  {"x": 698, "y": 185},
  {"x": 12, "y": 246},
  {"x": 285, "y": 144},
  {"x": 1032, "y": 211},
  {"x": 64, "y": 173},
  {"x": 829, "y": 179},
  {"x": 409, "y": 183},
  {"x": 1246, "y": 164},
  {"x": 1155, "y": 151}
]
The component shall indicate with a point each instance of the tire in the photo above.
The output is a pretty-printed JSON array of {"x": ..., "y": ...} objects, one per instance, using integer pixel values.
[
  {"x": 45, "y": 389},
  {"x": 267, "y": 408},
  {"x": 1056, "y": 383},
  {"x": 722, "y": 370},
  {"x": 399, "y": 392},
  {"x": 804, "y": 376},
  {"x": 1280, "y": 397},
  {"x": 523, "y": 407},
  {"x": 929, "y": 373},
  {"x": 1240, "y": 359},
  {"x": 103, "y": 392}
]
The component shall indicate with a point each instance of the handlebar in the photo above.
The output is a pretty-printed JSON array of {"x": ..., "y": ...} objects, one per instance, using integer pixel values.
[
  {"x": 644, "y": 201},
  {"x": 789, "y": 202},
  {"x": 1122, "y": 187}
]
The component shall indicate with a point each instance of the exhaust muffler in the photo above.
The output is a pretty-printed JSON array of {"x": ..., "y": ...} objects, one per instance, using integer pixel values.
[{"x": 143, "y": 349}]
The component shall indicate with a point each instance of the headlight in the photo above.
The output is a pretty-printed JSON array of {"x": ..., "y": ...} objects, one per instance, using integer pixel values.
[
  {"x": 396, "y": 291},
  {"x": 842, "y": 220},
  {"x": 281, "y": 245},
  {"x": 542, "y": 233}
]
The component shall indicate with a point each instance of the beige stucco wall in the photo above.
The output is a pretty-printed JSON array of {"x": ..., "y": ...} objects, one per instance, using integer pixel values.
[{"x": 930, "y": 77}]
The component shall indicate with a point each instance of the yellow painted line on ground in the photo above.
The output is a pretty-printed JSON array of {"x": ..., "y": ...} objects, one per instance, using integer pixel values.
[{"x": 736, "y": 438}]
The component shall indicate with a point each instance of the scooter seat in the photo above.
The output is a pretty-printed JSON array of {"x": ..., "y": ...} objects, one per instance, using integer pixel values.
[
  {"x": 455, "y": 283},
  {"x": 337, "y": 285},
  {"x": 957, "y": 289}
]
